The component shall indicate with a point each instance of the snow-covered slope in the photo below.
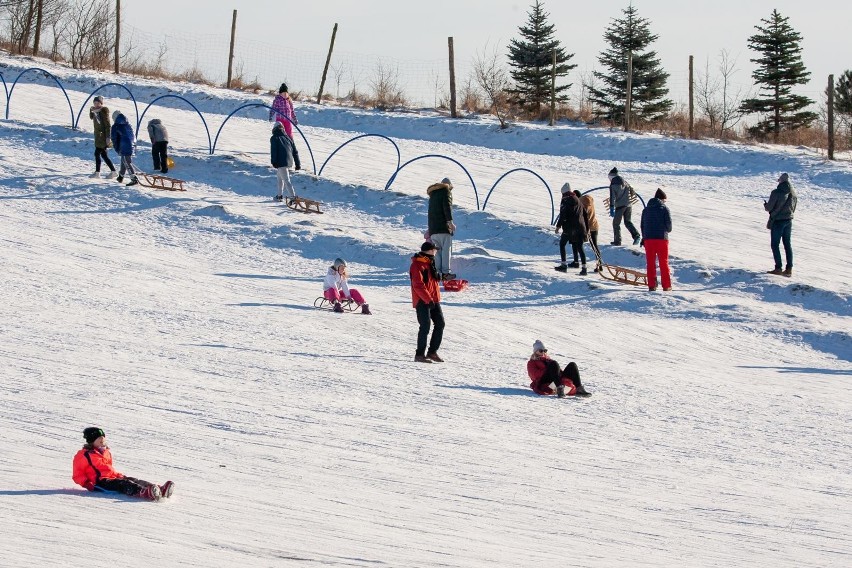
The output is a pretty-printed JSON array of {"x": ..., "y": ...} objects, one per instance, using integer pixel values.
[{"x": 183, "y": 325}]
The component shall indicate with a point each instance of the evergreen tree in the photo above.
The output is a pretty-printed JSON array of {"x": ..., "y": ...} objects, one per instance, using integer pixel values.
[
  {"x": 630, "y": 35},
  {"x": 843, "y": 94},
  {"x": 779, "y": 69},
  {"x": 531, "y": 59}
]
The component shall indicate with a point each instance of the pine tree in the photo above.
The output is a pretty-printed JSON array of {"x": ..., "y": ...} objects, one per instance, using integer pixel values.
[
  {"x": 779, "y": 69},
  {"x": 843, "y": 94},
  {"x": 531, "y": 59},
  {"x": 630, "y": 35}
]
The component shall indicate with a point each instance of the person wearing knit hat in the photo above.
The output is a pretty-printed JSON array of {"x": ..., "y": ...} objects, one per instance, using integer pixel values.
[
  {"x": 573, "y": 221},
  {"x": 426, "y": 300},
  {"x": 593, "y": 226},
  {"x": 101, "y": 122},
  {"x": 441, "y": 225},
  {"x": 544, "y": 371},
  {"x": 781, "y": 208},
  {"x": 92, "y": 469},
  {"x": 656, "y": 225},
  {"x": 336, "y": 288},
  {"x": 620, "y": 207},
  {"x": 124, "y": 142},
  {"x": 282, "y": 111}
]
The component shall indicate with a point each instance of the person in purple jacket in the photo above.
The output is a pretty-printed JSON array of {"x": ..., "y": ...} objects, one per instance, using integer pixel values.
[{"x": 282, "y": 111}]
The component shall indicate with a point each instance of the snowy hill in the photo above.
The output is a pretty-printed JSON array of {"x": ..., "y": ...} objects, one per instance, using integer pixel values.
[{"x": 182, "y": 323}]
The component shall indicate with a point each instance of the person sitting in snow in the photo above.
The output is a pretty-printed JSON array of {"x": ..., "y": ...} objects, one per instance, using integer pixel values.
[
  {"x": 281, "y": 154},
  {"x": 124, "y": 142},
  {"x": 93, "y": 470},
  {"x": 544, "y": 371},
  {"x": 336, "y": 288}
]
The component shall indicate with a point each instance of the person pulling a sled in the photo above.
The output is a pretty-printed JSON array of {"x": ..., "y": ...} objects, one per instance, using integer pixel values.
[
  {"x": 426, "y": 299},
  {"x": 281, "y": 152},
  {"x": 573, "y": 221},
  {"x": 283, "y": 113},
  {"x": 544, "y": 371},
  {"x": 620, "y": 208},
  {"x": 336, "y": 288},
  {"x": 124, "y": 142},
  {"x": 93, "y": 470}
]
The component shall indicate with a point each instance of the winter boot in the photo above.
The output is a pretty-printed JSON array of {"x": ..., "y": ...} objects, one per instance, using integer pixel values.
[
  {"x": 167, "y": 488},
  {"x": 151, "y": 493},
  {"x": 652, "y": 288},
  {"x": 95, "y": 175},
  {"x": 561, "y": 268},
  {"x": 278, "y": 198},
  {"x": 365, "y": 310},
  {"x": 776, "y": 271},
  {"x": 636, "y": 240},
  {"x": 133, "y": 181},
  {"x": 421, "y": 359},
  {"x": 433, "y": 356},
  {"x": 788, "y": 272},
  {"x": 574, "y": 264},
  {"x": 581, "y": 391},
  {"x": 448, "y": 276},
  {"x": 119, "y": 179},
  {"x": 583, "y": 272},
  {"x": 560, "y": 391},
  {"x": 616, "y": 243},
  {"x": 338, "y": 309},
  {"x": 111, "y": 175}
]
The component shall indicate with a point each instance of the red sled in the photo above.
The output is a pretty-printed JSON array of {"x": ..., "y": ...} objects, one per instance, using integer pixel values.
[{"x": 455, "y": 285}]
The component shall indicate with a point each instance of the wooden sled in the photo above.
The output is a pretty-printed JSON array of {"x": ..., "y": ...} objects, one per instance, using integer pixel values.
[
  {"x": 302, "y": 205},
  {"x": 633, "y": 198},
  {"x": 160, "y": 182},
  {"x": 619, "y": 273}
]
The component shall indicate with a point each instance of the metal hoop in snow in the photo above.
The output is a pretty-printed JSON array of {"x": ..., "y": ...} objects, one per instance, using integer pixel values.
[
  {"x": 46, "y": 72},
  {"x": 170, "y": 96},
  {"x": 399, "y": 169},
  {"x": 552, "y": 208},
  {"x": 398, "y": 155}
]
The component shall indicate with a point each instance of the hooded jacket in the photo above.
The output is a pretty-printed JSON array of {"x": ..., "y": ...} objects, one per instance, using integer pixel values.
[
  {"x": 282, "y": 106},
  {"x": 589, "y": 205},
  {"x": 656, "y": 220},
  {"x": 440, "y": 208},
  {"x": 91, "y": 465},
  {"x": 573, "y": 219},
  {"x": 280, "y": 148},
  {"x": 157, "y": 132},
  {"x": 102, "y": 124},
  {"x": 782, "y": 203},
  {"x": 619, "y": 193},
  {"x": 122, "y": 136},
  {"x": 424, "y": 280}
]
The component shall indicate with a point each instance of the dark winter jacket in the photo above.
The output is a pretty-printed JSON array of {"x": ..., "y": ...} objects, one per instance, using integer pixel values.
[
  {"x": 782, "y": 203},
  {"x": 102, "y": 125},
  {"x": 157, "y": 132},
  {"x": 281, "y": 148},
  {"x": 424, "y": 280},
  {"x": 440, "y": 208},
  {"x": 573, "y": 218},
  {"x": 656, "y": 220},
  {"x": 122, "y": 136},
  {"x": 619, "y": 193}
]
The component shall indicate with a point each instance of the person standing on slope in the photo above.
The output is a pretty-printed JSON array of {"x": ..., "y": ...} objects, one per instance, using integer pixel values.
[
  {"x": 281, "y": 150},
  {"x": 589, "y": 205},
  {"x": 620, "y": 208},
  {"x": 124, "y": 142},
  {"x": 100, "y": 119},
  {"x": 544, "y": 371},
  {"x": 336, "y": 288},
  {"x": 656, "y": 225},
  {"x": 573, "y": 221},
  {"x": 781, "y": 207},
  {"x": 441, "y": 226},
  {"x": 283, "y": 113},
  {"x": 426, "y": 299},
  {"x": 159, "y": 144},
  {"x": 93, "y": 470}
]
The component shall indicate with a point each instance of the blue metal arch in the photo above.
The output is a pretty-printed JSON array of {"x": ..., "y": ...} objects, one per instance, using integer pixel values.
[
  {"x": 398, "y": 155},
  {"x": 607, "y": 187},
  {"x": 459, "y": 164},
  {"x": 5, "y": 88},
  {"x": 46, "y": 72},
  {"x": 206, "y": 129},
  {"x": 552, "y": 208},
  {"x": 247, "y": 105},
  {"x": 92, "y": 94}
]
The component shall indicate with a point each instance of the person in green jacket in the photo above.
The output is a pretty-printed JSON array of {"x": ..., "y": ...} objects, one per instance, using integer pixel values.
[
  {"x": 441, "y": 226},
  {"x": 100, "y": 118}
]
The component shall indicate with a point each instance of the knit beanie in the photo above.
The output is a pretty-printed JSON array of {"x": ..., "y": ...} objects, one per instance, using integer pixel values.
[
  {"x": 427, "y": 246},
  {"x": 538, "y": 345},
  {"x": 566, "y": 188},
  {"x": 661, "y": 195},
  {"x": 115, "y": 114},
  {"x": 613, "y": 172},
  {"x": 783, "y": 177},
  {"x": 92, "y": 433},
  {"x": 448, "y": 182},
  {"x": 98, "y": 99},
  {"x": 282, "y": 88}
]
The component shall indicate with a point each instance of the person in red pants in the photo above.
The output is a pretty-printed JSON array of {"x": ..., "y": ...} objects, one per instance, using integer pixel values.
[{"x": 656, "y": 226}]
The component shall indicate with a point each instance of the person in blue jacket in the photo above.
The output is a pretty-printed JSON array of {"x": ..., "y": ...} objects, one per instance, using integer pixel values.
[{"x": 124, "y": 142}]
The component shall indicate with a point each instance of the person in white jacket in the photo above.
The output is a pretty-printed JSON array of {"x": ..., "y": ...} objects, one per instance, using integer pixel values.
[{"x": 336, "y": 288}]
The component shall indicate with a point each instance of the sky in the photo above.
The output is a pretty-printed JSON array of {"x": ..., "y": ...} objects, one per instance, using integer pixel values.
[{"x": 419, "y": 32}]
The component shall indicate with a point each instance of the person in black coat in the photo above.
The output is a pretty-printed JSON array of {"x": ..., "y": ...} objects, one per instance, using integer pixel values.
[
  {"x": 656, "y": 226},
  {"x": 281, "y": 155},
  {"x": 573, "y": 221}
]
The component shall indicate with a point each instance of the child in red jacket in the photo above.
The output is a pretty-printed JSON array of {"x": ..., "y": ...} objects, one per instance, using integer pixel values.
[
  {"x": 544, "y": 371},
  {"x": 93, "y": 470}
]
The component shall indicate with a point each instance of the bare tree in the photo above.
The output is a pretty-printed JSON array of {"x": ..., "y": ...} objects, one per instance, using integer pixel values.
[
  {"x": 339, "y": 71},
  {"x": 717, "y": 98},
  {"x": 493, "y": 79},
  {"x": 88, "y": 32},
  {"x": 385, "y": 85}
]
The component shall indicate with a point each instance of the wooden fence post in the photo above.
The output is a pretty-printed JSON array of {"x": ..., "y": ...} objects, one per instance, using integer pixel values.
[
  {"x": 453, "y": 112},
  {"x": 117, "y": 34},
  {"x": 691, "y": 100},
  {"x": 831, "y": 117},
  {"x": 327, "y": 63},
  {"x": 553, "y": 91},
  {"x": 231, "y": 51}
]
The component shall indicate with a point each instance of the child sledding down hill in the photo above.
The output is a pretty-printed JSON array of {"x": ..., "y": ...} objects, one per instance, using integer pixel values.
[
  {"x": 93, "y": 470},
  {"x": 336, "y": 288},
  {"x": 544, "y": 371}
]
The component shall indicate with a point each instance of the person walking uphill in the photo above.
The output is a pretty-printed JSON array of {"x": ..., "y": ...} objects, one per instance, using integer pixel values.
[
  {"x": 620, "y": 208},
  {"x": 159, "y": 144},
  {"x": 124, "y": 143},
  {"x": 781, "y": 207},
  {"x": 441, "y": 226},
  {"x": 281, "y": 154},
  {"x": 100, "y": 119},
  {"x": 589, "y": 205},
  {"x": 656, "y": 225},
  {"x": 573, "y": 221},
  {"x": 93, "y": 470},
  {"x": 283, "y": 113},
  {"x": 426, "y": 299}
]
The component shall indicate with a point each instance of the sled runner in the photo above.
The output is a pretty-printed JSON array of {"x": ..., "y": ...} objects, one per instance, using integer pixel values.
[
  {"x": 325, "y": 304},
  {"x": 619, "y": 273},
  {"x": 160, "y": 182},
  {"x": 456, "y": 285},
  {"x": 302, "y": 205}
]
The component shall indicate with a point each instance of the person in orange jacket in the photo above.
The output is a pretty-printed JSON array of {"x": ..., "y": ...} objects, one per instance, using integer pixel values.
[
  {"x": 426, "y": 299},
  {"x": 544, "y": 371},
  {"x": 93, "y": 470}
]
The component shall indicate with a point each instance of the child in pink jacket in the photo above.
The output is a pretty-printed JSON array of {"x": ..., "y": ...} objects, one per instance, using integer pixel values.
[{"x": 282, "y": 111}]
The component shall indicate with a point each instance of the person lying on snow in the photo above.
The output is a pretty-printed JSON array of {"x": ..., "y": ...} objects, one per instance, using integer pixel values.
[
  {"x": 336, "y": 288},
  {"x": 93, "y": 470},
  {"x": 544, "y": 371}
]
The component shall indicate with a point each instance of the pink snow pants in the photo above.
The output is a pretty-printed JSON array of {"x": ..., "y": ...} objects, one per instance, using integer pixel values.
[{"x": 333, "y": 295}]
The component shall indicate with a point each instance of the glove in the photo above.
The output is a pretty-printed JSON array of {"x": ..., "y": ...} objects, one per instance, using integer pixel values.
[
  {"x": 452, "y": 227},
  {"x": 642, "y": 243},
  {"x": 611, "y": 212},
  {"x": 556, "y": 229}
]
